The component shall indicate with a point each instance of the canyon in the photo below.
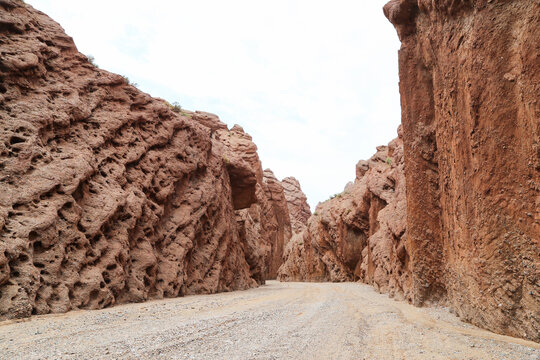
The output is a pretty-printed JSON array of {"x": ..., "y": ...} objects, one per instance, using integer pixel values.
[
  {"x": 453, "y": 217},
  {"x": 359, "y": 234},
  {"x": 110, "y": 196}
]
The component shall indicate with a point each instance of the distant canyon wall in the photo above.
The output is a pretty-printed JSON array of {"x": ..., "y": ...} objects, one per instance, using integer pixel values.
[
  {"x": 109, "y": 195},
  {"x": 359, "y": 234}
]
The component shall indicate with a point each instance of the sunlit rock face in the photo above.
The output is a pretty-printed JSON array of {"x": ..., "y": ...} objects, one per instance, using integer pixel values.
[
  {"x": 470, "y": 95},
  {"x": 358, "y": 234},
  {"x": 109, "y": 195}
]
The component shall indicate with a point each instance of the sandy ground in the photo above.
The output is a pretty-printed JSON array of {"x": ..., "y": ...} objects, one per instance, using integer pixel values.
[{"x": 275, "y": 321}]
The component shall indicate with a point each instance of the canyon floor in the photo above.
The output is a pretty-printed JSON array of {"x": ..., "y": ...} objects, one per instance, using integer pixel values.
[{"x": 275, "y": 321}]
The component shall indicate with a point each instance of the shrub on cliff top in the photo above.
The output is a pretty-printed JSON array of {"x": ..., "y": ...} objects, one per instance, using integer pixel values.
[
  {"x": 92, "y": 60},
  {"x": 176, "y": 107},
  {"x": 127, "y": 81}
]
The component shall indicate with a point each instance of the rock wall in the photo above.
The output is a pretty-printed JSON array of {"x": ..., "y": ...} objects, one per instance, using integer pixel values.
[
  {"x": 281, "y": 232},
  {"x": 470, "y": 94},
  {"x": 360, "y": 233},
  {"x": 265, "y": 225},
  {"x": 109, "y": 195},
  {"x": 297, "y": 204}
]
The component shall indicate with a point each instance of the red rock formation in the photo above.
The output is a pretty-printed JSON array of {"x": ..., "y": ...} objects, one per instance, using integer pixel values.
[
  {"x": 360, "y": 233},
  {"x": 297, "y": 204},
  {"x": 470, "y": 85},
  {"x": 281, "y": 232},
  {"x": 265, "y": 226},
  {"x": 108, "y": 195}
]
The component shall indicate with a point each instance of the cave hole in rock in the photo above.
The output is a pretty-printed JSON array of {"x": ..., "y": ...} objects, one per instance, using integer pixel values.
[
  {"x": 94, "y": 294},
  {"x": 81, "y": 228},
  {"x": 16, "y": 140}
]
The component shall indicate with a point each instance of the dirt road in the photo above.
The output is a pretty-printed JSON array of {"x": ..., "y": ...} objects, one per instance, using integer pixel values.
[{"x": 276, "y": 321}]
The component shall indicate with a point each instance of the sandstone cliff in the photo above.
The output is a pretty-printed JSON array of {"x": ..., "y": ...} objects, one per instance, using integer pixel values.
[
  {"x": 360, "y": 233},
  {"x": 470, "y": 94},
  {"x": 107, "y": 194},
  {"x": 297, "y": 204}
]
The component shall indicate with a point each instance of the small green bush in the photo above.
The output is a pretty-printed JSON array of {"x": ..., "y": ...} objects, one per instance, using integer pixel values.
[
  {"x": 389, "y": 160},
  {"x": 92, "y": 60},
  {"x": 126, "y": 80},
  {"x": 335, "y": 196},
  {"x": 176, "y": 107}
]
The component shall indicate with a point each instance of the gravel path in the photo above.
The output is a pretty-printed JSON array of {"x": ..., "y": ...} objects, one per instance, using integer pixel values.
[{"x": 275, "y": 321}]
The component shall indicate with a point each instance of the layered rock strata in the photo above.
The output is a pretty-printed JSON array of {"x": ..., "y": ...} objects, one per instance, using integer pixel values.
[
  {"x": 360, "y": 233},
  {"x": 109, "y": 195},
  {"x": 470, "y": 95}
]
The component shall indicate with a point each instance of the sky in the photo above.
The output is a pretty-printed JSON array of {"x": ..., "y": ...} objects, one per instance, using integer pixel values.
[{"x": 315, "y": 83}]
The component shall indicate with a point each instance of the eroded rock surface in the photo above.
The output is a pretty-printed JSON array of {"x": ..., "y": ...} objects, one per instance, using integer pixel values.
[
  {"x": 265, "y": 225},
  {"x": 108, "y": 195},
  {"x": 470, "y": 94},
  {"x": 360, "y": 233},
  {"x": 297, "y": 204},
  {"x": 280, "y": 232}
]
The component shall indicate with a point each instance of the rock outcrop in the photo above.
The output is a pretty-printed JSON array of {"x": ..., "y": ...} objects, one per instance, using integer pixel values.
[
  {"x": 265, "y": 225},
  {"x": 470, "y": 95},
  {"x": 360, "y": 233},
  {"x": 109, "y": 195},
  {"x": 297, "y": 204},
  {"x": 277, "y": 216}
]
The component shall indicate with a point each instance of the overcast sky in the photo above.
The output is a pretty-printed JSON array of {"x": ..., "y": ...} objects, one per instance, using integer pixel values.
[{"x": 314, "y": 82}]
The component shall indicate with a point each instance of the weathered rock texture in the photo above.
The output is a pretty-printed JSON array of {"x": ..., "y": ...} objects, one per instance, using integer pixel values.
[
  {"x": 297, "y": 204},
  {"x": 265, "y": 225},
  {"x": 360, "y": 233},
  {"x": 107, "y": 195},
  {"x": 278, "y": 219},
  {"x": 470, "y": 94}
]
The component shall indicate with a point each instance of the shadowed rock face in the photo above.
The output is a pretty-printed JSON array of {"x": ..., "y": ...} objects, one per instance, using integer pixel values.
[
  {"x": 360, "y": 233},
  {"x": 470, "y": 87},
  {"x": 107, "y": 195}
]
